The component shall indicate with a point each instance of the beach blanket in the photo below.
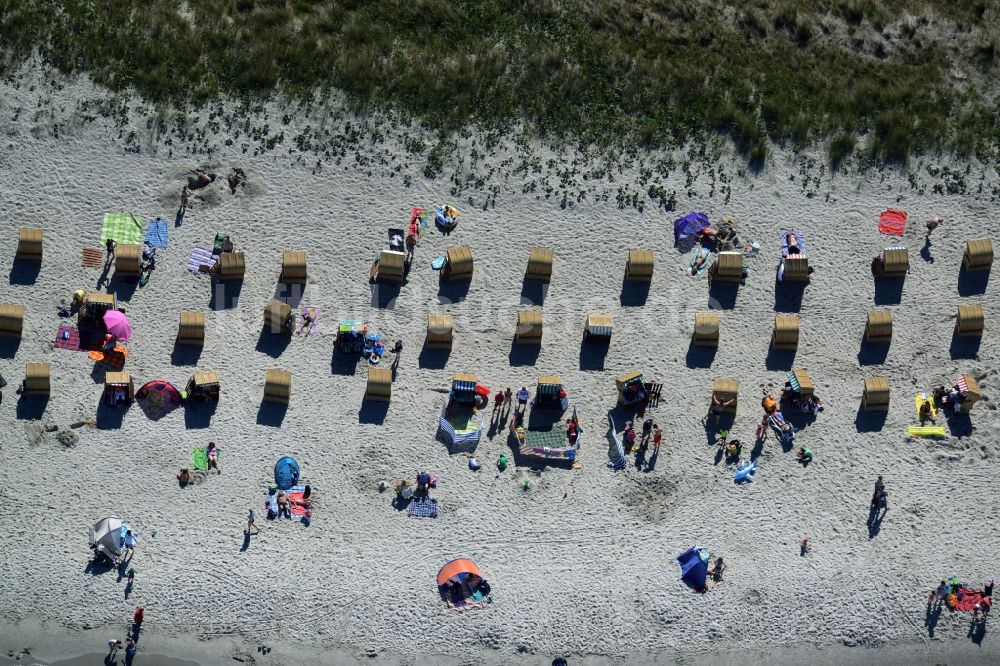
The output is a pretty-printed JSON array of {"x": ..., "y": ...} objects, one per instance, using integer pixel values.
[
  {"x": 199, "y": 459},
  {"x": 156, "y": 233},
  {"x": 969, "y": 599},
  {"x": 315, "y": 325},
  {"x": 200, "y": 257},
  {"x": 920, "y": 399},
  {"x": 113, "y": 359},
  {"x": 296, "y": 495},
  {"x": 892, "y": 222},
  {"x": 925, "y": 431},
  {"x": 425, "y": 508},
  {"x": 800, "y": 241},
  {"x": 121, "y": 228},
  {"x": 68, "y": 337},
  {"x": 92, "y": 258},
  {"x": 703, "y": 251}
]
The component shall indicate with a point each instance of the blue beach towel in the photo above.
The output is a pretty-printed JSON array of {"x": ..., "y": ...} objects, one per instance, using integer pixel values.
[
  {"x": 156, "y": 233},
  {"x": 694, "y": 256}
]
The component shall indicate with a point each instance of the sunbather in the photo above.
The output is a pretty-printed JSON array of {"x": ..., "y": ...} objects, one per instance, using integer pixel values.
[
  {"x": 212, "y": 453},
  {"x": 200, "y": 179},
  {"x": 308, "y": 317},
  {"x": 792, "y": 243},
  {"x": 717, "y": 570},
  {"x": 699, "y": 259},
  {"x": 925, "y": 412},
  {"x": 284, "y": 505}
]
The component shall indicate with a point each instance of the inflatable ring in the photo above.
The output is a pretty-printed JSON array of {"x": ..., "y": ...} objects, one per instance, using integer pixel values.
[{"x": 449, "y": 223}]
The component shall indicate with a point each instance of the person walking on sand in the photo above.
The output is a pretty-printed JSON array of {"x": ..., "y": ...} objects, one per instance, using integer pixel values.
[
  {"x": 139, "y": 616},
  {"x": 508, "y": 399},
  {"x": 657, "y": 438},
  {"x": 110, "y": 246},
  {"x": 879, "y": 487},
  {"x": 933, "y": 224},
  {"x": 252, "y": 524},
  {"x": 130, "y": 542},
  {"x": 522, "y": 399},
  {"x": 397, "y": 349},
  {"x": 131, "y": 649},
  {"x": 497, "y": 403},
  {"x": 647, "y": 429}
]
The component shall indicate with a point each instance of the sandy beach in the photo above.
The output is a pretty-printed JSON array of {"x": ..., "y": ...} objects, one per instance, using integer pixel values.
[{"x": 582, "y": 562}]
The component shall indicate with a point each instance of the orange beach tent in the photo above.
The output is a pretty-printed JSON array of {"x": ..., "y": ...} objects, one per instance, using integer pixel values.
[{"x": 456, "y": 569}]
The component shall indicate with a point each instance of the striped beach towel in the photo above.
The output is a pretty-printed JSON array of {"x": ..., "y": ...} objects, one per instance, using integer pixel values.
[
  {"x": 156, "y": 233},
  {"x": 92, "y": 258},
  {"x": 121, "y": 228},
  {"x": 68, "y": 337},
  {"x": 200, "y": 257}
]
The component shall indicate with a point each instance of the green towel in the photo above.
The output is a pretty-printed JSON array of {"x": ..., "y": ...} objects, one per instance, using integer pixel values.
[
  {"x": 199, "y": 459},
  {"x": 121, "y": 228}
]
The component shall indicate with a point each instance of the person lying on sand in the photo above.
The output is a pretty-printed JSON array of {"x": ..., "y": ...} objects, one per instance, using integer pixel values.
[
  {"x": 308, "y": 317},
  {"x": 284, "y": 505},
  {"x": 793, "y": 247},
  {"x": 200, "y": 179},
  {"x": 212, "y": 453},
  {"x": 699, "y": 260}
]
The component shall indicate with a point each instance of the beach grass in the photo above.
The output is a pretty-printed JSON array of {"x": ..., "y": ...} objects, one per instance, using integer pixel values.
[{"x": 601, "y": 72}]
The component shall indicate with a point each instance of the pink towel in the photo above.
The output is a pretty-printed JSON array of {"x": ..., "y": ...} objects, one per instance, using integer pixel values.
[{"x": 892, "y": 222}]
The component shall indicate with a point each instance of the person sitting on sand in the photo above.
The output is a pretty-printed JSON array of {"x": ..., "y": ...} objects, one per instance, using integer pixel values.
[
  {"x": 925, "y": 412},
  {"x": 227, "y": 244},
  {"x": 184, "y": 477},
  {"x": 212, "y": 453},
  {"x": 717, "y": 570},
  {"x": 449, "y": 214},
  {"x": 236, "y": 178},
  {"x": 734, "y": 448},
  {"x": 272, "y": 503},
  {"x": 308, "y": 317},
  {"x": 805, "y": 456}
]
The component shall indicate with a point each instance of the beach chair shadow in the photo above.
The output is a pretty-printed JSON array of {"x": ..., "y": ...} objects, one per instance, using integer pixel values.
[
  {"x": 700, "y": 356},
  {"x": 889, "y": 290},
  {"x": 225, "y": 295},
  {"x": 633, "y": 293},
  {"x": 9, "y": 347},
  {"x": 123, "y": 287},
  {"x": 31, "y": 407},
  {"x": 533, "y": 292},
  {"x": 593, "y": 355},
  {"x": 722, "y": 295},
  {"x": 521, "y": 354},
  {"x": 964, "y": 347},
  {"x": 384, "y": 295},
  {"x": 290, "y": 294},
  {"x": 779, "y": 359},
  {"x": 110, "y": 418},
  {"x": 434, "y": 359},
  {"x": 788, "y": 296},
  {"x": 272, "y": 344},
  {"x": 869, "y": 421},
  {"x": 872, "y": 354},
  {"x": 271, "y": 414},
  {"x": 343, "y": 364},
  {"x": 972, "y": 283},
  {"x": 373, "y": 412},
  {"x": 960, "y": 425},
  {"x": 453, "y": 291},
  {"x": 24, "y": 273},
  {"x": 184, "y": 354},
  {"x": 199, "y": 414},
  {"x": 712, "y": 427}
]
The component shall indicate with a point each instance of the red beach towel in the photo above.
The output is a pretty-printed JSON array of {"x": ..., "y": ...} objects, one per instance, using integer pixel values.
[
  {"x": 892, "y": 222},
  {"x": 68, "y": 337},
  {"x": 969, "y": 599}
]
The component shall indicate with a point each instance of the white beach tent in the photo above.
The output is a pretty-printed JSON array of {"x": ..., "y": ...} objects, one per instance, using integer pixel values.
[{"x": 107, "y": 537}]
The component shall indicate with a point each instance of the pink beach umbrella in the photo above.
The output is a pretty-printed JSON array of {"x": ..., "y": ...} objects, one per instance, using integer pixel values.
[{"x": 118, "y": 324}]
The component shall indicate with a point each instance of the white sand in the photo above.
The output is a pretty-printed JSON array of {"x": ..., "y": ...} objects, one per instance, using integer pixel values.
[{"x": 582, "y": 562}]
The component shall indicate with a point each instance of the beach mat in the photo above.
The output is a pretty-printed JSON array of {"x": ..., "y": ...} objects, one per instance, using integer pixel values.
[
  {"x": 970, "y": 598},
  {"x": 92, "y": 258},
  {"x": 925, "y": 431},
  {"x": 112, "y": 360},
  {"x": 920, "y": 399},
  {"x": 68, "y": 337},
  {"x": 425, "y": 508},
  {"x": 156, "y": 233},
  {"x": 315, "y": 325},
  {"x": 121, "y": 228},
  {"x": 200, "y": 257},
  {"x": 199, "y": 459},
  {"x": 892, "y": 222}
]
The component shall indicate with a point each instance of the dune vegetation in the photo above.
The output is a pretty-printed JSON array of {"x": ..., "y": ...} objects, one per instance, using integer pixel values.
[{"x": 891, "y": 78}]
